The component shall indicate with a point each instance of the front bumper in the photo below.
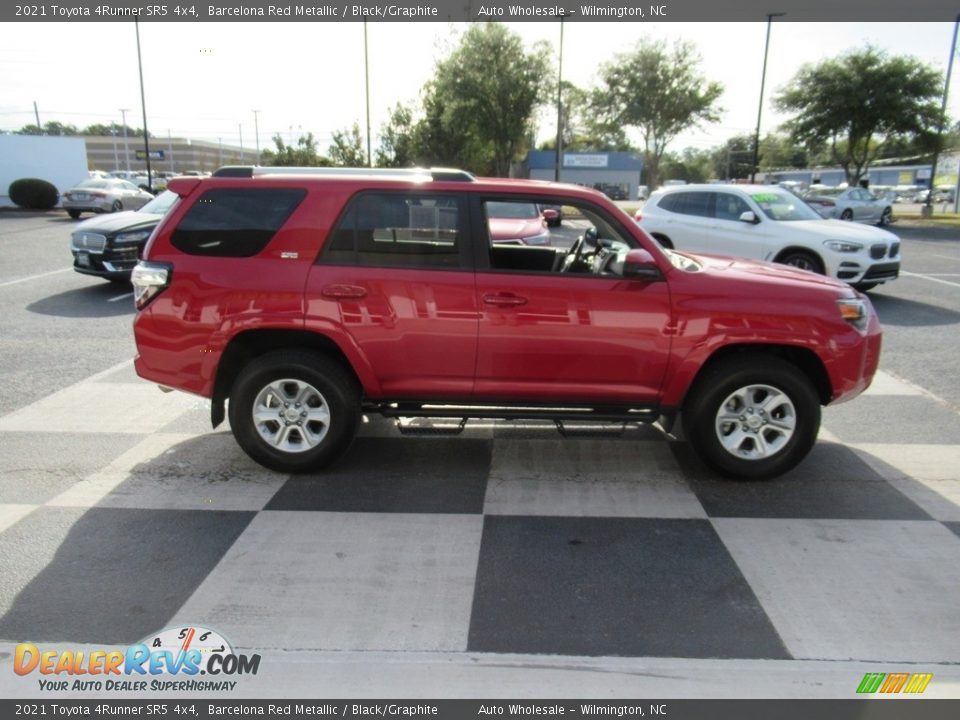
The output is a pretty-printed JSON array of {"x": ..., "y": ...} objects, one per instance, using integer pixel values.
[{"x": 113, "y": 263}]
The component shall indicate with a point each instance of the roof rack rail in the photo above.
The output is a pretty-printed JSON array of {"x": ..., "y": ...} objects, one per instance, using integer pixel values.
[{"x": 436, "y": 174}]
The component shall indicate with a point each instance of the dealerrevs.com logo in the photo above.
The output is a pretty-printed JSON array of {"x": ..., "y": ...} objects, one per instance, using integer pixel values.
[
  {"x": 169, "y": 661},
  {"x": 893, "y": 683}
]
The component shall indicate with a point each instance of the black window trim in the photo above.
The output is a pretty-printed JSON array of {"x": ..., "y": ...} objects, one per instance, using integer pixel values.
[{"x": 463, "y": 228}]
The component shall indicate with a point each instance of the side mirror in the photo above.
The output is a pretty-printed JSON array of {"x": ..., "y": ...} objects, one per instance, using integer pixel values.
[
  {"x": 550, "y": 214},
  {"x": 749, "y": 217},
  {"x": 640, "y": 265}
]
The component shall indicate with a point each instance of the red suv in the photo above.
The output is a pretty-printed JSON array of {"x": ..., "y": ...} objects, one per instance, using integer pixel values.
[{"x": 307, "y": 298}]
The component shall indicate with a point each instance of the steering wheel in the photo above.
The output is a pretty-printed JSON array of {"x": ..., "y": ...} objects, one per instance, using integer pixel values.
[{"x": 572, "y": 262}]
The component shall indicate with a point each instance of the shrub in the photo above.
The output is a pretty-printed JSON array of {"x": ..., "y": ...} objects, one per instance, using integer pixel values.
[{"x": 33, "y": 193}]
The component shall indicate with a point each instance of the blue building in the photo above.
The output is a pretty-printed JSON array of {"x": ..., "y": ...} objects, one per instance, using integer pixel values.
[{"x": 615, "y": 173}]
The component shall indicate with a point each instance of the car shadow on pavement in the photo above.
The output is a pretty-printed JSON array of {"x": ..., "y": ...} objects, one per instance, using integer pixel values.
[
  {"x": 94, "y": 301},
  {"x": 900, "y": 312}
]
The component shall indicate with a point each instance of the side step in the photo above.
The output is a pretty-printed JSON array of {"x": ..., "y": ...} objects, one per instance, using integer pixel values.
[{"x": 423, "y": 430}]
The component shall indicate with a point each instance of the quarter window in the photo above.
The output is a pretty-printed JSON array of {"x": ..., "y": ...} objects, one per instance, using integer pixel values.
[
  {"x": 688, "y": 203},
  {"x": 398, "y": 230},
  {"x": 235, "y": 222}
]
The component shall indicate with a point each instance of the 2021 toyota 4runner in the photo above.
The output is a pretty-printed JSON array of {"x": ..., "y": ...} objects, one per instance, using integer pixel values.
[{"x": 301, "y": 300}]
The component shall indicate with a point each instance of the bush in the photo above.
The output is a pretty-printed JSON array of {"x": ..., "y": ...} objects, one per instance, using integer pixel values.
[{"x": 33, "y": 193}]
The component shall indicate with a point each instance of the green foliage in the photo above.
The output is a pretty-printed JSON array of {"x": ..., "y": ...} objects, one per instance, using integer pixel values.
[
  {"x": 347, "y": 149},
  {"x": 778, "y": 150},
  {"x": 581, "y": 129},
  {"x": 658, "y": 90},
  {"x": 112, "y": 129},
  {"x": 481, "y": 102},
  {"x": 58, "y": 128},
  {"x": 856, "y": 102},
  {"x": 692, "y": 165},
  {"x": 33, "y": 193},
  {"x": 303, "y": 154},
  {"x": 396, "y": 139}
]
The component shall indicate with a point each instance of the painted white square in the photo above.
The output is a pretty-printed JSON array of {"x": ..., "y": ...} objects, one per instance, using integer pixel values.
[
  {"x": 345, "y": 581},
  {"x": 10, "y": 514},
  {"x": 876, "y": 590}
]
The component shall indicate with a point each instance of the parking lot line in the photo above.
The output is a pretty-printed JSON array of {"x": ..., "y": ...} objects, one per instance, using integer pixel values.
[
  {"x": 931, "y": 279},
  {"x": 120, "y": 297},
  {"x": 34, "y": 277}
]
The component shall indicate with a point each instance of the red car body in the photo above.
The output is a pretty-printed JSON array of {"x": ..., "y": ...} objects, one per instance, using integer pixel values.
[{"x": 479, "y": 335}]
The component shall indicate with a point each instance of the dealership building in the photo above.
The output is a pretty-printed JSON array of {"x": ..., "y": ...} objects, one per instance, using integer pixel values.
[{"x": 615, "y": 173}]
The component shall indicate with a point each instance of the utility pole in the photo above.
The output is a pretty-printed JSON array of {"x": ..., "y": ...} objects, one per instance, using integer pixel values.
[
  {"x": 240, "y": 127},
  {"x": 558, "y": 163},
  {"x": 927, "y": 209},
  {"x": 36, "y": 114},
  {"x": 256, "y": 133},
  {"x": 366, "y": 75},
  {"x": 126, "y": 144},
  {"x": 170, "y": 149},
  {"x": 763, "y": 82},
  {"x": 143, "y": 107},
  {"x": 113, "y": 137}
]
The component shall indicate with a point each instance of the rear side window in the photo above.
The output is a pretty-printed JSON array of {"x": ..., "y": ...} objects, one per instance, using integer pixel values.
[
  {"x": 688, "y": 203},
  {"x": 398, "y": 230},
  {"x": 235, "y": 222}
]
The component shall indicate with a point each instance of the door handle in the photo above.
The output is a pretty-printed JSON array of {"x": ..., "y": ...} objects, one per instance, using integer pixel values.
[
  {"x": 504, "y": 300},
  {"x": 338, "y": 292}
]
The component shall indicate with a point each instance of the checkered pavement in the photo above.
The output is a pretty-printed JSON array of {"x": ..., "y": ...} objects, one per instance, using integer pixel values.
[{"x": 121, "y": 513}]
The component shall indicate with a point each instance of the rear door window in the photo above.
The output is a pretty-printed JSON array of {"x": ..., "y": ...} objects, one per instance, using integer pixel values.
[{"x": 235, "y": 222}]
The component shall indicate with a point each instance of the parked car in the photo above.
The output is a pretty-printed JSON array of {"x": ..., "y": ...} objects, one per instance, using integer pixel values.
[
  {"x": 308, "y": 299},
  {"x": 101, "y": 195},
  {"x": 109, "y": 246},
  {"x": 768, "y": 223},
  {"x": 517, "y": 223},
  {"x": 852, "y": 203}
]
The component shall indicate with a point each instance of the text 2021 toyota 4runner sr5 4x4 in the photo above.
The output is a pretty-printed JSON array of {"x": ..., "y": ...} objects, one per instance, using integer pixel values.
[{"x": 307, "y": 299}]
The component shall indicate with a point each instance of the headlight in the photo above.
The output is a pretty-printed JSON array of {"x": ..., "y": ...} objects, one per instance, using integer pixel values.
[
  {"x": 132, "y": 237},
  {"x": 854, "y": 311},
  {"x": 843, "y": 246}
]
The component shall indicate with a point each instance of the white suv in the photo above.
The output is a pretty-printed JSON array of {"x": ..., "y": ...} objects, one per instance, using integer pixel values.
[{"x": 768, "y": 223}]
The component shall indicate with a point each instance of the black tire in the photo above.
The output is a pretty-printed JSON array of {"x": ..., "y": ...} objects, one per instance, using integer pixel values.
[
  {"x": 116, "y": 207},
  {"x": 803, "y": 260},
  {"x": 338, "y": 393},
  {"x": 865, "y": 287},
  {"x": 886, "y": 217},
  {"x": 75, "y": 214},
  {"x": 847, "y": 214},
  {"x": 664, "y": 241},
  {"x": 787, "y": 392}
]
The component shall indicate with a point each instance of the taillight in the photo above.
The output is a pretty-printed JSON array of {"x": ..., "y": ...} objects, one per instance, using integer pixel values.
[
  {"x": 149, "y": 279},
  {"x": 638, "y": 216}
]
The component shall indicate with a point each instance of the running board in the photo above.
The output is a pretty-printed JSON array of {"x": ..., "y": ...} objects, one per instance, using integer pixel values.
[
  {"x": 426, "y": 430},
  {"x": 559, "y": 415}
]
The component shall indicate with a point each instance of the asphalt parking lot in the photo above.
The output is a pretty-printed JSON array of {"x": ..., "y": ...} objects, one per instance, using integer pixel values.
[{"x": 504, "y": 562}]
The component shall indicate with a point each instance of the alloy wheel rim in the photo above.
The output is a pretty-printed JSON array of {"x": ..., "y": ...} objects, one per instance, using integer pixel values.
[
  {"x": 291, "y": 415},
  {"x": 755, "y": 422}
]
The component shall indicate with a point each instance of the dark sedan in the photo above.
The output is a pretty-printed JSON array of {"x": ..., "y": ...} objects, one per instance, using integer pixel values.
[{"x": 109, "y": 246}]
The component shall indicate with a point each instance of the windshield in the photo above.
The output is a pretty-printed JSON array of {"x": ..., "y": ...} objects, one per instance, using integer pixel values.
[
  {"x": 780, "y": 205},
  {"x": 512, "y": 210},
  {"x": 161, "y": 203}
]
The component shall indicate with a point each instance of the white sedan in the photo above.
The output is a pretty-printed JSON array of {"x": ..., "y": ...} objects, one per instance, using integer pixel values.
[{"x": 768, "y": 223}]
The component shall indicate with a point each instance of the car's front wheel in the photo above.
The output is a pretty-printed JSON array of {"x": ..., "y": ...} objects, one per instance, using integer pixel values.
[
  {"x": 75, "y": 214},
  {"x": 752, "y": 417},
  {"x": 117, "y": 206},
  {"x": 294, "y": 411},
  {"x": 803, "y": 260}
]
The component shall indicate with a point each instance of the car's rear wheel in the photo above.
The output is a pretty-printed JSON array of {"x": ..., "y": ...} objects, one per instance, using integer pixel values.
[
  {"x": 886, "y": 217},
  {"x": 73, "y": 213},
  {"x": 663, "y": 240},
  {"x": 294, "y": 411},
  {"x": 752, "y": 418},
  {"x": 117, "y": 206},
  {"x": 803, "y": 260},
  {"x": 847, "y": 214}
]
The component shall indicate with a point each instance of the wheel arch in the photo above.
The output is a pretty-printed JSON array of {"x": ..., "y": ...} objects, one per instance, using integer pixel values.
[
  {"x": 806, "y": 360},
  {"x": 662, "y": 239},
  {"x": 250, "y": 344},
  {"x": 801, "y": 249}
]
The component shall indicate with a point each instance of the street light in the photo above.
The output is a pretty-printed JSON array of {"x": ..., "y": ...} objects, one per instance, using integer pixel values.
[
  {"x": 366, "y": 76},
  {"x": 927, "y": 210},
  {"x": 763, "y": 82},
  {"x": 143, "y": 106},
  {"x": 556, "y": 169},
  {"x": 126, "y": 147}
]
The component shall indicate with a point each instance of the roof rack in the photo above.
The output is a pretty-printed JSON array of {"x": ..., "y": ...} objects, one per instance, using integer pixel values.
[{"x": 436, "y": 174}]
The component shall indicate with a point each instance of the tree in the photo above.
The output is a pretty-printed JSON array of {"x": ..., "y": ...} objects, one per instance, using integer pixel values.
[
  {"x": 347, "y": 149},
  {"x": 856, "y": 102},
  {"x": 482, "y": 100},
  {"x": 581, "y": 129},
  {"x": 396, "y": 139},
  {"x": 304, "y": 154},
  {"x": 52, "y": 127},
  {"x": 778, "y": 150},
  {"x": 658, "y": 90}
]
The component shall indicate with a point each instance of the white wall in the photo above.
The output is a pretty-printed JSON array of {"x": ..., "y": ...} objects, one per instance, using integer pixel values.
[{"x": 58, "y": 160}]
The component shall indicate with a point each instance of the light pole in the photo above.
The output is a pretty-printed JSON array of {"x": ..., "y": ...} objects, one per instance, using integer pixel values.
[
  {"x": 113, "y": 137},
  {"x": 763, "y": 82},
  {"x": 556, "y": 168},
  {"x": 927, "y": 210},
  {"x": 240, "y": 129},
  {"x": 366, "y": 77},
  {"x": 143, "y": 107},
  {"x": 126, "y": 147},
  {"x": 256, "y": 133}
]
